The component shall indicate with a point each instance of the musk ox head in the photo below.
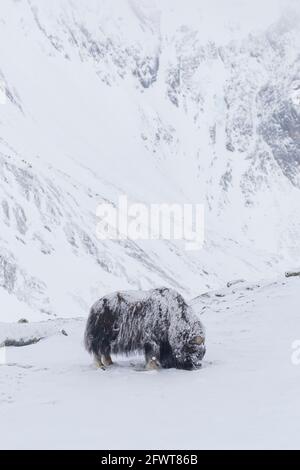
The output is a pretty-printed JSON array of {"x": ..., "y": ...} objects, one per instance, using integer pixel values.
[{"x": 192, "y": 351}]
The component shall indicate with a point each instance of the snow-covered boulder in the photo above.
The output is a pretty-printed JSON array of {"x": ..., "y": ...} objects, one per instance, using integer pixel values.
[{"x": 294, "y": 273}]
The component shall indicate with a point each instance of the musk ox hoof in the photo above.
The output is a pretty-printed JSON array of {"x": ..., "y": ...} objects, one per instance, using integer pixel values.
[
  {"x": 153, "y": 364},
  {"x": 106, "y": 361},
  {"x": 98, "y": 363}
]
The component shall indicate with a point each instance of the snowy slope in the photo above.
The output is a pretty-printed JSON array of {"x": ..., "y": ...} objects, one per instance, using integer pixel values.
[
  {"x": 245, "y": 396},
  {"x": 157, "y": 101}
]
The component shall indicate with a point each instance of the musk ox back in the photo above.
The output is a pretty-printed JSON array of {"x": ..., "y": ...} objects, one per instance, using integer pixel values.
[{"x": 157, "y": 322}]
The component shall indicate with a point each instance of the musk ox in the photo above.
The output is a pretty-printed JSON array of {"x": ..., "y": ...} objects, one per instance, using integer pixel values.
[{"x": 157, "y": 322}]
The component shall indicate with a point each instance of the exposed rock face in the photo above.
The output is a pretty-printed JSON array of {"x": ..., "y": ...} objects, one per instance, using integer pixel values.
[
  {"x": 144, "y": 99},
  {"x": 292, "y": 274}
]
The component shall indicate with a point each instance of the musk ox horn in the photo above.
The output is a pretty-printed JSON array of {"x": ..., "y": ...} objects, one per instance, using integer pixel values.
[{"x": 198, "y": 340}]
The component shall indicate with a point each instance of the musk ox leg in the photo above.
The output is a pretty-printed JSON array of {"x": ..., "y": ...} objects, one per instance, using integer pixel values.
[
  {"x": 152, "y": 356},
  {"x": 98, "y": 362},
  {"x": 106, "y": 360},
  {"x": 152, "y": 364},
  {"x": 166, "y": 355}
]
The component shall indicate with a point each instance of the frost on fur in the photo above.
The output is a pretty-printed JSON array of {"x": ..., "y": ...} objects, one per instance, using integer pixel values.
[{"x": 157, "y": 322}]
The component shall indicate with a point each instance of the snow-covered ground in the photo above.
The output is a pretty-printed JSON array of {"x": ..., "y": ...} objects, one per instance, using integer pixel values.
[
  {"x": 245, "y": 396},
  {"x": 164, "y": 102}
]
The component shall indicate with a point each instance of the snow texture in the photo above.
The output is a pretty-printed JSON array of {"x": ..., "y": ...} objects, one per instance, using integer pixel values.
[
  {"x": 159, "y": 101},
  {"x": 165, "y": 102},
  {"x": 246, "y": 395}
]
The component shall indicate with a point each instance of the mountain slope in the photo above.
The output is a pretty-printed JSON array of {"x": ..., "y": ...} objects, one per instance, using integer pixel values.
[{"x": 134, "y": 97}]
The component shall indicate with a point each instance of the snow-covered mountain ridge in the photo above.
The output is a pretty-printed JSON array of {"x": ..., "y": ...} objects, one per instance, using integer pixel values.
[{"x": 147, "y": 99}]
